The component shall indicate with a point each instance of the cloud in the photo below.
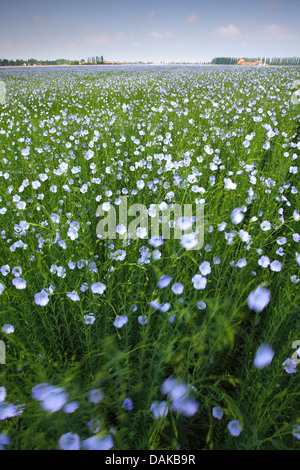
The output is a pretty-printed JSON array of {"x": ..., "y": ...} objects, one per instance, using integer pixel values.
[
  {"x": 275, "y": 30},
  {"x": 151, "y": 15},
  {"x": 230, "y": 31},
  {"x": 100, "y": 38},
  {"x": 192, "y": 18},
  {"x": 271, "y": 4},
  {"x": 120, "y": 36},
  {"x": 161, "y": 34},
  {"x": 5, "y": 43},
  {"x": 38, "y": 19}
]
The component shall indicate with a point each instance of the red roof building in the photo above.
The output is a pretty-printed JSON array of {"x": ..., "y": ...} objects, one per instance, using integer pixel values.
[{"x": 256, "y": 62}]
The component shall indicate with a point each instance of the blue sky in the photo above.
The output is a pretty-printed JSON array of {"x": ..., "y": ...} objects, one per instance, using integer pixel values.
[{"x": 157, "y": 30}]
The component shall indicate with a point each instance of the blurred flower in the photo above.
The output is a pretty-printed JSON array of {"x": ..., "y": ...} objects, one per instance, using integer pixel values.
[
  {"x": 164, "y": 281},
  {"x": 205, "y": 268},
  {"x": 165, "y": 307},
  {"x": 98, "y": 443},
  {"x": 177, "y": 288},
  {"x": 40, "y": 391},
  {"x": 55, "y": 218},
  {"x": 121, "y": 229},
  {"x": 265, "y": 225},
  {"x": 264, "y": 356},
  {"x": 183, "y": 223},
  {"x": 127, "y": 403},
  {"x": 234, "y": 428},
  {"x": 222, "y": 226},
  {"x": 172, "y": 318},
  {"x": 2, "y": 393},
  {"x": 142, "y": 319},
  {"x": 156, "y": 254},
  {"x": 54, "y": 399},
  {"x": 156, "y": 241},
  {"x": 229, "y": 184},
  {"x": 17, "y": 271},
  {"x": 159, "y": 409},
  {"x": 89, "y": 318},
  {"x": 188, "y": 241},
  {"x": 94, "y": 425},
  {"x": 275, "y": 266},
  {"x": 90, "y": 153},
  {"x": 155, "y": 304},
  {"x": 7, "y": 410},
  {"x": 84, "y": 287},
  {"x": 140, "y": 184},
  {"x": 237, "y": 216},
  {"x": 244, "y": 236},
  {"x": 177, "y": 392},
  {"x": 241, "y": 263},
  {"x": 259, "y": 299},
  {"x": 71, "y": 407},
  {"x": 69, "y": 441},
  {"x": 173, "y": 388},
  {"x": 73, "y": 296},
  {"x": 290, "y": 366},
  {"x": 5, "y": 270},
  {"x": 120, "y": 321},
  {"x": 141, "y": 232},
  {"x": 295, "y": 431},
  {"x": 41, "y": 298},
  {"x": 19, "y": 283},
  {"x": 96, "y": 395},
  {"x": 185, "y": 406},
  {"x": 217, "y": 412},
  {"x": 72, "y": 233},
  {"x": 4, "y": 441},
  {"x": 199, "y": 281},
  {"x": 264, "y": 261},
  {"x": 8, "y": 329},
  {"x": 98, "y": 288},
  {"x": 201, "y": 305}
]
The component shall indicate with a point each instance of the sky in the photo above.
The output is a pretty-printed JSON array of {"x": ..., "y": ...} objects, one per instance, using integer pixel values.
[{"x": 149, "y": 31}]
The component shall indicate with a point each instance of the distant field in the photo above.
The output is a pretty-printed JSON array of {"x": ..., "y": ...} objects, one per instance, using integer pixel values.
[{"x": 137, "y": 341}]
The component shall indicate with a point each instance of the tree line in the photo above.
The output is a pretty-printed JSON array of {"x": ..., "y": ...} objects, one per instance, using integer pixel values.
[
  {"x": 90, "y": 60},
  {"x": 267, "y": 60},
  {"x": 99, "y": 60},
  {"x": 11, "y": 62}
]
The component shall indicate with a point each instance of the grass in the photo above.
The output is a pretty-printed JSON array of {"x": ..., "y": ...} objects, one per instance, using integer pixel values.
[{"x": 174, "y": 129}]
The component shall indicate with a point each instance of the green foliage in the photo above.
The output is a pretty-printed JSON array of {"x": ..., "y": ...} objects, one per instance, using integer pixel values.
[{"x": 125, "y": 118}]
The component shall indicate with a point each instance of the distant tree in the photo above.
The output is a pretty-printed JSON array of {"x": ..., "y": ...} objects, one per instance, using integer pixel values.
[
  {"x": 225, "y": 61},
  {"x": 267, "y": 60}
]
